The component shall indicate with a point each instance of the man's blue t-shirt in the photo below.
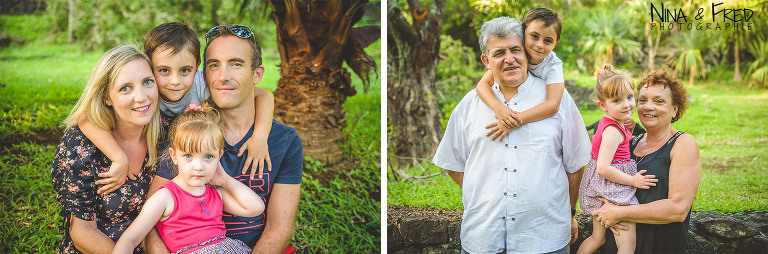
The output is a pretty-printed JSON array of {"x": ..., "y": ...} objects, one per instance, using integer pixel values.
[{"x": 287, "y": 156}]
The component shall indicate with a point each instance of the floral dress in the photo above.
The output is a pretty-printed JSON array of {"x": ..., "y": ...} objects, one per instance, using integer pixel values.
[{"x": 74, "y": 171}]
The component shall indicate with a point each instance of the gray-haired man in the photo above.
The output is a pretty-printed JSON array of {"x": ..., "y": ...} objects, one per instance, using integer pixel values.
[{"x": 515, "y": 192}]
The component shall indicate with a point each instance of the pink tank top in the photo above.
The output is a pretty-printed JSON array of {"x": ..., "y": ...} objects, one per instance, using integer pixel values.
[
  {"x": 194, "y": 220},
  {"x": 622, "y": 152}
]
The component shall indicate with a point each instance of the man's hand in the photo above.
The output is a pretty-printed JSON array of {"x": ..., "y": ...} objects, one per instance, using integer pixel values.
[
  {"x": 258, "y": 154},
  {"x": 507, "y": 117},
  {"x": 498, "y": 130},
  {"x": 114, "y": 178},
  {"x": 641, "y": 181},
  {"x": 574, "y": 229}
]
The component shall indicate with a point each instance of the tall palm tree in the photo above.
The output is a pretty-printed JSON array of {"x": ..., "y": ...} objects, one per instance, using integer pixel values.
[
  {"x": 686, "y": 53},
  {"x": 314, "y": 38},
  {"x": 609, "y": 34}
]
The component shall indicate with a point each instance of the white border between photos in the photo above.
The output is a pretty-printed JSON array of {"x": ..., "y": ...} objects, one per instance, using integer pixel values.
[{"x": 383, "y": 135}]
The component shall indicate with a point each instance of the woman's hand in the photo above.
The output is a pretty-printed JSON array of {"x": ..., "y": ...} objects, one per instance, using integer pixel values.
[
  {"x": 258, "y": 155},
  {"x": 630, "y": 124},
  {"x": 608, "y": 216},
  {"x": 641, "y": 181}
]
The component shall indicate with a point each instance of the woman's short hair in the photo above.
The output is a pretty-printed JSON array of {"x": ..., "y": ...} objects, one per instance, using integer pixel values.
[
  {"x": 92, "y": 101},
  {"x": 668, "y": 80}
]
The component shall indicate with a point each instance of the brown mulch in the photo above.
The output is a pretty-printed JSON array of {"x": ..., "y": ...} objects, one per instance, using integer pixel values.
[{"x": 396, "y": 212}]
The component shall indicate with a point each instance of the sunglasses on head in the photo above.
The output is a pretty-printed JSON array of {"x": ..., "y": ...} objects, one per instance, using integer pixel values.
[{"x": 238, "y": 30}]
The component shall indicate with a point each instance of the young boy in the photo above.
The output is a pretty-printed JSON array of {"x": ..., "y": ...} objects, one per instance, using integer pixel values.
[
  {"x": 541, "y": 28},
  {"x": 175, "y": 53}
]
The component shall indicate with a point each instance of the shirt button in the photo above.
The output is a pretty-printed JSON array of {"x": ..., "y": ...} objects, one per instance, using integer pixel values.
[
  {"x": 515, "y": 147},
  {"x": 506, "y": 169},
  {"x": 514, "y": 195},
  {"x": 505, "y": 193},
  {"x": 506, "y": 145},
  {"x": 503, "y": 217},
  {"x": 513, "y": 218},
  {"x": 515, "y": 103},
  {"x": 514, "y": 170}
]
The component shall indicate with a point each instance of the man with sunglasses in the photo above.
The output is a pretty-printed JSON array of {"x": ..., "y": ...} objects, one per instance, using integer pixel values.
[{"x": 232, "y": 66}]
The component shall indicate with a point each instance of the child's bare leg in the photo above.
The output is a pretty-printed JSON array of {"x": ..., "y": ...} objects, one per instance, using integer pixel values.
[
  {"x": 626, "y": 241},
  {"x": 593, "y": 242}
]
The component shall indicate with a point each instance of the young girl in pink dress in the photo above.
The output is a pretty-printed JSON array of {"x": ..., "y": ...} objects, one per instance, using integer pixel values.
[
  {"x": 611, "y": 174},
  {"x": 187, "y": 210}
]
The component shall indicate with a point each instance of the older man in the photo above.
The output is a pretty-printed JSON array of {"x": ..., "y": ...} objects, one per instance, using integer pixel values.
[
  {"x": 232, "y": 68},
  {"x": 515, "y": 192}
]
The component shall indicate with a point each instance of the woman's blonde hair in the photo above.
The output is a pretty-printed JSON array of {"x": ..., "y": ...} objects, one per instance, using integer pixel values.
[
  {"x": 92, "y": 101},
  {"x": 611, "y": 83},
  {"x": 197, "y": 130}
]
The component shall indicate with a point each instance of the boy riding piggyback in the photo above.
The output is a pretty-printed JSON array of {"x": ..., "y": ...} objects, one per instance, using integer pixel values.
[{"x": 541, "y": 29}]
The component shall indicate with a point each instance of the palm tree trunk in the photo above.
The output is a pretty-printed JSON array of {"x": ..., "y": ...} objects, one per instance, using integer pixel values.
[
  {"x": 692, "y": 72},
  {"x": 312, "y": 40},
  {"x": 311, "y": 103},
  {"x": 651, "y": 49},
  {"x": 71, "y": 21}
]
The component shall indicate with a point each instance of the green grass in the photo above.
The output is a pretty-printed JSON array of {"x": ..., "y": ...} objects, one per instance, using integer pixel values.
[
  {"x": 729, "y": 126},
  {"x": 28, "y": 219},
  {"x": 40, "y": 82}
]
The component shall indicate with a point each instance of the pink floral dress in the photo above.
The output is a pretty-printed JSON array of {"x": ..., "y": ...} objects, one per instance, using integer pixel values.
[{"x": 593, "y": 185}]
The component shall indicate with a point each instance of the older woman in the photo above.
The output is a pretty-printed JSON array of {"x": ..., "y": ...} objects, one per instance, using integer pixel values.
[
  {"x": 120, "y": 96},
  {"x": 673, "y": 157}
]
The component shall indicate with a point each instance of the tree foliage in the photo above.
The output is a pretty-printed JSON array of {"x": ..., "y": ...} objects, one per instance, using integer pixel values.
[
  {"x": 758, "y": 70},
  {"x": 609, "y": 33},
  {"x": 104, "y": 23},
  {"x": 686, "y": 53}
]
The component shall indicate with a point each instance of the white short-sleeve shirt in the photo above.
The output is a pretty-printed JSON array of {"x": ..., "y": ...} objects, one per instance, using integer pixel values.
[
  {"x": 197, "y": 94},
  {"x": 550, "y": 69},
  {"x": 515, "y": 192}
]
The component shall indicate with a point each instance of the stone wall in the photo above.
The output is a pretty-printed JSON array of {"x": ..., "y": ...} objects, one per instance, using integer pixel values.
[{"x": 422, "y": 230}]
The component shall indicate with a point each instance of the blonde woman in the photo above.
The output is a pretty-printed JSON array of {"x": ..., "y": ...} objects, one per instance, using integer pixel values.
[{"x": 120, "y": 96}]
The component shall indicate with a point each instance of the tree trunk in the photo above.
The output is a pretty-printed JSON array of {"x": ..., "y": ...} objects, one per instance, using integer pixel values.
[
  {"x": 692, "y": 72},
  {"x": 312, "y": 41},
  {"x": 71, "y": 21},
  {"x": 651, "y": 48},
  {"x": 412, "y": 107},
  {"x": 737, "y": 71}
]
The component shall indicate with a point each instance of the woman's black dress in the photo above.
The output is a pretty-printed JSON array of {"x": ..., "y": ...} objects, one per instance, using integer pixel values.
[{"x": 655, "y": 238}]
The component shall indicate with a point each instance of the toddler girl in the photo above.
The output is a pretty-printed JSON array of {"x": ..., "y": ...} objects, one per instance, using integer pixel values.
[
  {"x": 611, "y": 174},
  {"x": 186, "y": 210}
]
